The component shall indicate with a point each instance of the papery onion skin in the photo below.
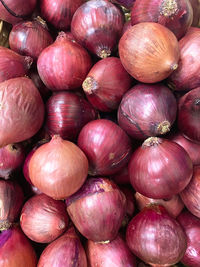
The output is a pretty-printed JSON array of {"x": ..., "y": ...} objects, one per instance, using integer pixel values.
[
  {"x": 147, "y": 110},
  {"x": 115, "y": 253},
  {"x": 43, "y": 219},
  {"x": 66, "y": 250},
  {"x": 30, "y": 37},
  {"x": 67, "y": 113},
  {"x": 106, "y": 83},
  {"x": 196, "y": 11},
  {"x": 191, "y": 226},
  {"x": 97, "y": 25},
  {"x": 145, "y": 61},
  {"x": 151, "y": 231},
  {"x": 106, "y": 146},
  {"x": 64, "y": 64},
  {"x": 97, "y": 209},
  {"x": 16, "y": 250},
  {"x": 21, "y": 110},
  {"x": 160, "y": 168},
  {"x": 58, "y": 168},
  {"x": 176, "y": 15}
]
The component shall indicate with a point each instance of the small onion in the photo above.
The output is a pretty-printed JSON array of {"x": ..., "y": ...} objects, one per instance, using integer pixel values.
[
  {"x": 155, "y": 237},
  {"x": 149, "y": 52},
  {"x": 160, "y": 168},
  {"x": 97, "y": 209}
]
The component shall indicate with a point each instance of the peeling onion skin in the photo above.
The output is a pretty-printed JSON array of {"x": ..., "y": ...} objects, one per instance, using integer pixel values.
[{"x": 21, "y": 110}]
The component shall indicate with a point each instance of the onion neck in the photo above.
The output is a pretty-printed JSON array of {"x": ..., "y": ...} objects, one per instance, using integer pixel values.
[
  {"x": 151, "y": 141},
  {"x": 89, "y": 85},
  {"x": 5, "y": 225},
  {"x": 104, "y": 53},
  {"x": 163, "y": 127},
  {"x": 169, "y": 8}
]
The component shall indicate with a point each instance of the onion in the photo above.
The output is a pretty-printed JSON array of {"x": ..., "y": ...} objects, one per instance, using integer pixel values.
[
  {"x": 67, "y": 250},
  {"x": 67, "y": 113},
  {"x": 97, "y": 25},
  {"x": 58, "y": 168},
  {"x": 21, "y": 110},
  {"x": 64, "y": 64},
  {"x": 147, "y": 110},
  {"x": 30, "y": 37},
  {"x": 11, "y": 158},
  {"x": 121, "y": 177},
  {"x": 12, "y": 64},
  {"x": 155, "y": 237},
  {"x": 13, "y": 11},
  {"x": 150, "y": 59},
  {"x": 97, "y": 209},
  {"x": 43, "y": 219},
  {"x": 191, "y": 226},
  {"x": 189, "y": 114},
  {"x": 174, "y": 205},
  {"x": 106, "y": 83},
  {"x": 176, "y": 15},
  {"x": 130, "y": 203},
  {"x": 160, "y": 168},
  {"x": 186, "y": 77},
  {"x": 106, "y": 146},
  {"x": 196, "y": 11},
  {"x": 115, "y": 253},
  {"x": 16, "y": 250},
  {"x": 11, "y": 199}
]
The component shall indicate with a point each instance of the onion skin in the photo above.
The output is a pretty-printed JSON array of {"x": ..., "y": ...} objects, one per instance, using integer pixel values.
[
  {"x": 125, "y": 3},
  {"x": 176, "y": 15},
  {"x": 58, "y": 168},
  {"x": 160, "y": 168},
  {"x": 67, "y": 113},
  {"x": 21, "y": 110},
  {"x": 64, "y": 64},
  {"x": 186, "y": 77},
  {"x": 67, "y": 250},
  {"x": 196, "y": 11},
  {"x": 16, "y": 249},
  {"x": 191, "y": 226},
  {"x": 106, "y": 146},
  {"x": 145, "y": 61},
  {"x": 30, "y": 37},
  {"x": 97, "y": 25},
  {"x": 97, "y": 209},
  {"x": 115, "y": 253},
  {"x": 106, "y": 83},
  {"x": 43, "y": 219},
  {"x": 121, "y": 177},
  {"x": 12, "y": 64},
  {"x": 147, "y": 110},
  {"x": 149, "y": 232},
  {"x": 127, "y": 25}
]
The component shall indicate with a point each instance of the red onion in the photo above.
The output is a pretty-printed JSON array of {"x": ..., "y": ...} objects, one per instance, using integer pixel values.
[
  {"x": 43, "y": 219},
  {"x": 67, "y": 113},
  {"x": 186, "y": 77},
  {"x": 30, "y": 37},
  {"x": 11, "y": 158},
  {"x": 115, "y": 253},
  {"x": 145, "y": 61},
  {"x": 192, "y": 148},
  {"x": 11, "y": 199},
  {"x": 58, "y": 168},
  {"x": 97, "y": 25},
  {"x": 155, "y": 237},
  {"x": 21, "y": 110},
  {"x": 189, "y": 114},
  {"x": 176, "y": 15},
  {"x": 97, "y": 209},
  {"x": 64, "y": 64},
  {"x": 106, "y": 83},
  {"x": 191, "y": 226},
  {"x": 191, "y": 194},
  {"x": 121, "y": 177},
  {"x": 13, "y": 11},
  {"x": 16, "y": 250},
  {"x": 12, "y": 64},
  {"x": 160, "y": 168},
  {"x": 196, "y": 11},
  {"x": 147, "y": 110},
  {"x": 59, "y": 12},
  {"x": 174, "y": 205},
  {"x": 125, "y": 3},
  {"x": 106, "y": 146}
]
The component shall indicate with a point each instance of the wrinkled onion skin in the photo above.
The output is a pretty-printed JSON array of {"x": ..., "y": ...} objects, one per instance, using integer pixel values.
[{"x": 21, "y": 110}]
